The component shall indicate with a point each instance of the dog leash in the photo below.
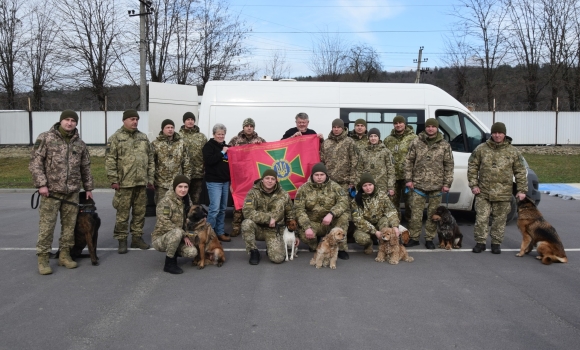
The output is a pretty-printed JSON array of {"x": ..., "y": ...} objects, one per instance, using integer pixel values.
[
  {"x": 81, "y": 206},
  {"x": 423, "y": 194}
]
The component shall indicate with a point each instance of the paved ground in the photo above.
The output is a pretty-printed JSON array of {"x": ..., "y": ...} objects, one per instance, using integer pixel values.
[{"x": 442, "y": 300}]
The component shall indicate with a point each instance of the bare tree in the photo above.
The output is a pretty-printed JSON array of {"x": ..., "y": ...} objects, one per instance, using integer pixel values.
[
  {"x": 277, "y": 66},
  {"x": 161, "y": 27},
  {"x": 329, "y": 57},
  {"x": 187, "y": 46},
  {"x": 11, "y": 46},
  {"x": 364, "y": 63},
  {"x": 571, "y": 74},
  {"x": 458, "y": 57}
]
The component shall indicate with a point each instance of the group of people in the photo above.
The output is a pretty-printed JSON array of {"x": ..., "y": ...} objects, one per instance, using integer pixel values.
[{"x": 360, "y": 179}]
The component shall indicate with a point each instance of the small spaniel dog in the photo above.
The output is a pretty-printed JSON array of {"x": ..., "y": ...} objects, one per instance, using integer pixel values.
[
  {"x": 447, "y": 229},
  {"x": 327, "y": 250},
  {"x": 391, "y": 249},
  {"x": 290, "y": 239}
]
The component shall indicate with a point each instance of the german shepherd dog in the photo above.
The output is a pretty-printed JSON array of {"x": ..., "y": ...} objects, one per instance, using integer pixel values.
[
  {"x": 537, "y": 231},
  {"x": 204, "y": 238}
]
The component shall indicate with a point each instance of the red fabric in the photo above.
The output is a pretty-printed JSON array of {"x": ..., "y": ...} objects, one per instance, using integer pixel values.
[{"x": 292, "y": 159}]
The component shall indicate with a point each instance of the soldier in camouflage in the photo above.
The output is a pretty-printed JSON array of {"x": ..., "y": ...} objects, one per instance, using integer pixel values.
[
  {"x": 320, "y": 205},
  {"x": 398, "y": 143},
  {"x": 377, "y": 160},
  {"x": 371, "y": 212},
  {"x": 340, "y": 156},
  {"x": 490, "y": 171},
  {"x": 266, "y": 208},
  {"x": 359, "y": 134},
  {"x": 194, "y": 141},
  {"x": 169, "y": 235},
  {"x": 59, "y": 163},
  {"x": 428, "y": 174},
  {"x": 171, "y": 158},
  {"x": 130, "y": 168},
  {"x": 245, "y": 137}
]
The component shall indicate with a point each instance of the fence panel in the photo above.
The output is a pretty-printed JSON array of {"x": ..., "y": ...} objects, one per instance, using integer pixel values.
[
  {"x": 568, "y": 127},
  {"x": 43, "y": 121},
  {"x": 92, "y": 127},
  {"x": 14, "y": 128}
]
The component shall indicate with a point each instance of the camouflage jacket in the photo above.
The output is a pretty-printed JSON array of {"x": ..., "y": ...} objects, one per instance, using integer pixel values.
[
  {"x": 171, "y": 159},
  {"x": 314, "y": 201},
  {"x": 492, "y": 167},
  {"x": 340, "y": 155},
  {"x": 260, "y": 206},
  {"x": 378, "y": 212},
  {"x": 359, "y": 142},
  {"x": 399, "y": 146},
  {"x": 129, "y": 159},
  {"x": 242, "y": 139},
  {"x": 429, "y": 167},
  {"x": 170, "y": 215},
  {"x": 59, "y": 165},
  {"x": 194, "y": 141},
  {"x": 379, "y": 162}
]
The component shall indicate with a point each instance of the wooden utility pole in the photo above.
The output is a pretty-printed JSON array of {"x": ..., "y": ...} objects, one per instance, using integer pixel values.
[
  {"x": 418, "y": 61},
  {"x": 144, "y": 10}
]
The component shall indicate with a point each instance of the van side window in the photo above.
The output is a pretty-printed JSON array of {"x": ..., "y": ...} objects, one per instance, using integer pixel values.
[
  {"x": 382, "y": 119},
  {"x": 461, "y": 133}
]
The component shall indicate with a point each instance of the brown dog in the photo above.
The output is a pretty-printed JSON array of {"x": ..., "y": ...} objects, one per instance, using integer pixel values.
[
  {"x": 391, "y": 249},
  {"x": 204, "y": 238},
  {"x": 327, "y": 250},
  {"x": 536, "y": 230},
  {"x": 447, "y": 229}
]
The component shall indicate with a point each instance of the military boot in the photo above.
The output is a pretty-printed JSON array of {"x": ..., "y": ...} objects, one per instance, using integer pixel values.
[
  {"x": 65, "y": 260},
  {"x": 235, "y": 230},
  {"x": 138, "y": 242},
  {"x": 171, "y": 266},
  {"x": 43, "y": 265},
  {"x": 369, "y": 249},
  {"x": 122, "y": 246}
]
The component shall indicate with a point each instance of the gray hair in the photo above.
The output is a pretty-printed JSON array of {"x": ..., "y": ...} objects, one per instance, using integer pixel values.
[
  {"x": 217, "y": 127},
  {"x": 302, "y": 116}
]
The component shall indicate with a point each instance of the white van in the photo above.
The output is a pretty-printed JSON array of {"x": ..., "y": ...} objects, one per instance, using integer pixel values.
[{"x": 274, "y": 104}]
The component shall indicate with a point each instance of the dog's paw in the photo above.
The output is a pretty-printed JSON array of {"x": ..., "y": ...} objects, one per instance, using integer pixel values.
[
  {"x": 286, "y": 259},
  {"x": 333, "y": 267},
  {"x": 312, "y": 262},
  {"x": 200, "y": 267},
  {"x": 539, "y": 257},
  {"x": 95, "y": 263},
  {"x": 519, "y": 255},
  {"x": 379, "y": 260},
  {"x": 409, "y": 259},
  {"x": 394, "y": 262}
]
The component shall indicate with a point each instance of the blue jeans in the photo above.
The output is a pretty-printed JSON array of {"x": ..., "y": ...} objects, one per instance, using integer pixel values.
[{"x": 218, "y": 201}]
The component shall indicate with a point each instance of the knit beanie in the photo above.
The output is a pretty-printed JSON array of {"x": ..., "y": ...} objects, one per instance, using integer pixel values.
[
  {"x": 188, "y": 115},
  {"x": 319, "y": 167},
  {"x": 399, "y": 119},
  {"x": 432, "y": 122},
  {"x": 167, "y": 122},
  {"x": 375, "y": 131},
  {"x": 360, "y": 121},
  {"x": 338, "y": 122},
  {"x": 130, "y": 113},
  {"x": 67, "y": 113},
  {"x": 180, "y": 179},
  {"x": 249, "y": 121},
  {"x": 270, "y": 172},
  {"x": 498, "y": 127},
  {"x": 365, "y": 178}
]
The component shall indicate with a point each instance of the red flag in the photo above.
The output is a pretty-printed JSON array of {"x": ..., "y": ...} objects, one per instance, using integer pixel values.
[{"x": 292, "y": 159}]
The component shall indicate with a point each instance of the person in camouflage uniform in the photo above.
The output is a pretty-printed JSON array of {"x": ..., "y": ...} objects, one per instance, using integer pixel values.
[
  {"x": 59, "y": 163},
  {"x": 428, "y": 174},
  {"x": 377, "y": 160},
  {"x": 194, "y": 141},
  {"x": 245, "y": 137},
  {"x": 130, "y": 168},
  {"x": 266, "y": 208},
  {"x": 320, "y": 205},
  {"x": 490, "y": 171},
  {"x": 359, "y": 134},
  {"x": 371, "y": 212},
  {"x": 340, "y": 156},
  {"x": 171, "y": 158},
  {"x": 169, "y": 234},
  {"x": 398, "y": 143}
]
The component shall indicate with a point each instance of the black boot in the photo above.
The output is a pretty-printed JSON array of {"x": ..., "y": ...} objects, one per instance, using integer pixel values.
[
  {"x": 411, "y": 243},
  {"x": 495, "y": 249},
  {"x": 343, "y": 255},
  {"x": 479, "y": 247},
  {"x": 254, "y": 257},
  {"x": 171, "y": 266}
]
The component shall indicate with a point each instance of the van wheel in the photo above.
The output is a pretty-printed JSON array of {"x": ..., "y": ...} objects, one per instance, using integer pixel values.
[{"x": 513, "y": 210}]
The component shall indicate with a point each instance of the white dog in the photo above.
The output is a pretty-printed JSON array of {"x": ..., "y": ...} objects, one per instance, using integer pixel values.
[{"x": 290, "y": 239}]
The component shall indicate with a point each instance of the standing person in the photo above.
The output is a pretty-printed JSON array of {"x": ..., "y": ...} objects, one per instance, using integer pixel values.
[
  {"x": 321, "y": 205},
  {"x": 398, "y": 143},
  {"x": 169, "y": 234},
  {"x": 301, "y": 128},
  {"x": 217, "y": 177},
  {"x": 378, "y": 161},
  {"x": 340, "y": 156},
  {"x": 245, "y": 137},
  {"x": 491, "y": 170},
  {"x": 371, "y": 212},
  {"x": 359, "y": 134},
  {"x": 130, "y": 168},
  {"x": 266, "y": 208},
  {"x": 194, "y": 141},
  {"x": 171, "y": 158},
  {"x": 59, "y": 163},
  {"x": 428, "y": 174}
]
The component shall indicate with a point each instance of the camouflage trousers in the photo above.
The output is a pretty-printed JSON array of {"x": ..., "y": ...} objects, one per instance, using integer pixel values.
[
  {"x": 483, "y": 209},
  {"x": 195, "y": 190},
  {"x": 159, "y": 193},
  {"x": 321, "y": 230},
  {"x": 237, "y": 222},
  {"x": 251, "y": 232},
  {"x": 129, "y": 201},
  {"x": 48, "y": 211},
  {"x": 172, "y": 242},
  {"x": 417, "y": 204},
  {"x": 396, "y": 199},
  {"x": 364, "y": 238}
]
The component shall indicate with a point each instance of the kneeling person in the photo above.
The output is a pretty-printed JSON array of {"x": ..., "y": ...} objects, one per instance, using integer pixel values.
[
  {"x": 266, "y": 204},
  {"x": 169, "y": 235}
]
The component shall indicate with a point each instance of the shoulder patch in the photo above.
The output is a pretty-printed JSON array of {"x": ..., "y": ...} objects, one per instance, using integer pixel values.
[
  {"x": 37, "y": 143},
  {"x": 248, "y": 203},
  {"x": 166, "y": 210}
]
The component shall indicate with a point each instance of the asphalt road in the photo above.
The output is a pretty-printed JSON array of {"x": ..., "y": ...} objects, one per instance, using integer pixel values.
[{"x": 442, "y": 300}]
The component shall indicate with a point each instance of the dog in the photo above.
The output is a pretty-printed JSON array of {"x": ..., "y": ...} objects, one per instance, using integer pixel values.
[
  {"x": 327, "y": 250},
  {"x": 404, "y": 234},
  {"x": 447, "y": 229},
  {"x": 204, "y": 238},
  {"x": 537, "y": 231},
  {"x": 290, "y": 239},
  {"x": 391, "y": 249}
]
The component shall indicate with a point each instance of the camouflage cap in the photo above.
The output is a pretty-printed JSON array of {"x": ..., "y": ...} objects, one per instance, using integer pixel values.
[
  {"x": 130, "y": 113},
  {"x": 249, "y": 121},
  {"x": 68, "y": 113}
]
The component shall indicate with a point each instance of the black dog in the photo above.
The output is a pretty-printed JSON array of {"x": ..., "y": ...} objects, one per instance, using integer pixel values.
[{"x": 447, "y": 229}]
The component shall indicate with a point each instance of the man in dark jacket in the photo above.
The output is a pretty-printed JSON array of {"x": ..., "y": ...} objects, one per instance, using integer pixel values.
[{"x": 301, "y": 128}]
